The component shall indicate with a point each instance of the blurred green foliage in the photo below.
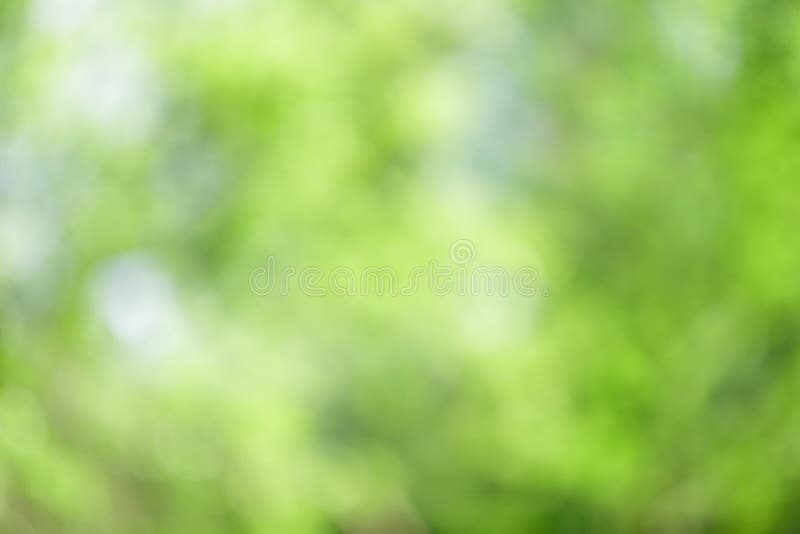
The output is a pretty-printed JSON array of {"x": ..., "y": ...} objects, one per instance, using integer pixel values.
[{"x": 642, "y": 155}]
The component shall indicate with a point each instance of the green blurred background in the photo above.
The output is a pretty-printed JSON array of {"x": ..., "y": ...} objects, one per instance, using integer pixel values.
[{"x": 643, "y": 156}]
